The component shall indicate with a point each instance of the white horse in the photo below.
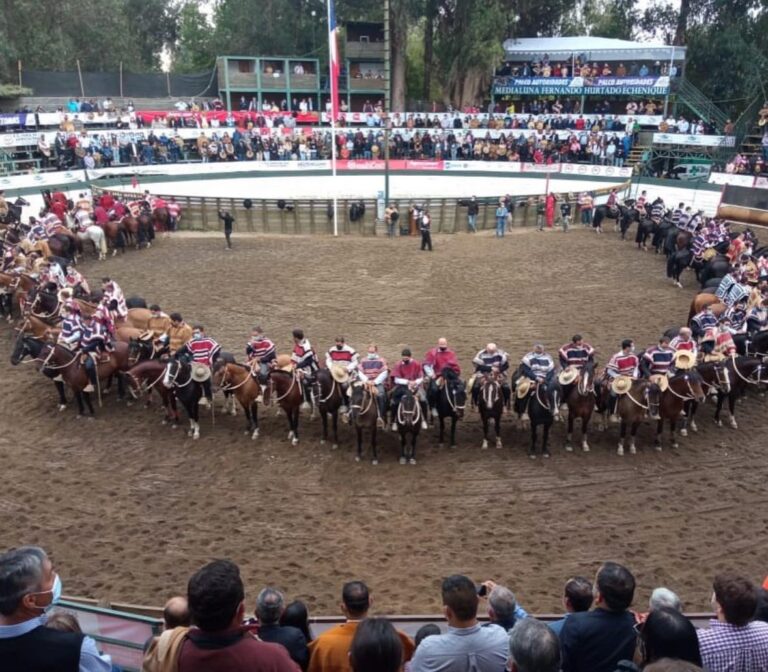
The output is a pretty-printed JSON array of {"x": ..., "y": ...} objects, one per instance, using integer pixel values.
[{"x": 91, "y": 232}]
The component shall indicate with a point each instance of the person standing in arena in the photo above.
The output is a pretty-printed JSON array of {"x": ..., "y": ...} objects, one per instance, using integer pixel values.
[
  {"x": 228, "y": 220},
  {"x": 174, "y": 214},
  {"x": 425, "y": 226}
]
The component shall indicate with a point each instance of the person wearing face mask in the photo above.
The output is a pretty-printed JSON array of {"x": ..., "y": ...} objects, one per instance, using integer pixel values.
[
  {"x": 436, "y": 362},
  {"x": 178, "y": 334},
  {"x": 623, "y": 363},
  {"x": 373, "y": 371},
  {"x": 408, "y": 375},
  {"x": 29, "y": 588}
]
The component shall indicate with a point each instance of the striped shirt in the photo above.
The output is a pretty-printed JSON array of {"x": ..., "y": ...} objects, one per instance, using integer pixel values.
[
  {"x": 678, "y": 343},
  {"x": 203, "y": 350},
  {"x": 576, "y": 355},
  {"x": 262, "y": 349},
  {"x": 624, "y": 364},
  {"x": 373, "y": 369}
]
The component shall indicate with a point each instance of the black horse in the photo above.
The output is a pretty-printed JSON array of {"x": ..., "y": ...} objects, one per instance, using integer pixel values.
[
  {"x": 330, "y": 398},
  {"x": 408, "y": 417},
  {"x": 717, "y": 267},
  {"x": 13, "y": 215},
  {"x": 178, "y": 379},
  {"x": 542, "y": 406},
  {"x": 450, "y": 402}
]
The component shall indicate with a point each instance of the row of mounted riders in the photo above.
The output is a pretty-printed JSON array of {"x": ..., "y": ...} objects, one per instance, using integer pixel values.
[{"x": 64, "y": 226}]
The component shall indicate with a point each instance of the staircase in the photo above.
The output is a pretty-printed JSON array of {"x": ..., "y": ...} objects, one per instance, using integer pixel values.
[
  {"x": 699, "y": 104},
  {"x": 637, "y": 155},
  {"x": 749, "y": 135}
]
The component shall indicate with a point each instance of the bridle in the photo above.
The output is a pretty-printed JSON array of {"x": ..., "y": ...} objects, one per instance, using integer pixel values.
[
  {"x": 691, "y": 396},
  {"x": 363, "y": 409},
  {"x": 322, "y": 400},
  {"x": 452, "y": 402},
  {"x": 294, "y": 378},
  {"x": 172, "y": 378},
  {"x": 226, "y": 386},
  {"x": 491, "y": 391},
  {"x": 414, "y": 415}
]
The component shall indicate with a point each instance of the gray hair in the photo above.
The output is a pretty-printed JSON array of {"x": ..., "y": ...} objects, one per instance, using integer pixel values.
[
  {"x": 664, "y": 597},
  {"x": 21, "y": 572},
  {"x": 502, "y": 601},
  {"x": 269, "y": 606},
  {"x": 534, "y": 647}
]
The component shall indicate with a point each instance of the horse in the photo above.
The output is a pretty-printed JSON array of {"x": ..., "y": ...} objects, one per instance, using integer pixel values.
[
  {"x": 30, "y": 346},
  {"x": 742, "y": 372},
  {"x": 715, "y": 378},
  {"x": 580, "y": 399},
  {"x": 717, "y": 267},
  {"x": 16, "y": 287},
  {"x": 451, "y": 400},
  {"x": 146, "y": 230},
  {"x": 542, "y": 409},
  {"x": 96, "y": 235},
  {"x": 115, "y": 232},
  {"x": 753, "y": 344},
  {"x": 408, "y": 417},
  {"x": 330, "y": 398},
  {"x": 285, "y": 389},
  {"x": 14, "y": 211},
  {"x": 645, "y": 228},
  {"x": 144, "y": 378},
  {"x": 177, "y": 379},
  {"x": 241, "y": 381},
  {"x": 631, "y": 408},
  {"x": 364, "y": 414},
  {"x": 491, "y": 406},
  {"x": 682, "y": 387},
  {"x": 160, "y": 219},
  {"x": 65, "y": 245},
  {"x": 701, "y": 301}
]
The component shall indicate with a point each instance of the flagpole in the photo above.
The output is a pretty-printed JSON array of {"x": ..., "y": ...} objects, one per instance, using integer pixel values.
[{"x": 333, "y": 83}]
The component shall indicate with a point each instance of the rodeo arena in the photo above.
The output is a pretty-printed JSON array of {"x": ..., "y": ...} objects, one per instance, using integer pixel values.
[{"x": 308, "y": 350}]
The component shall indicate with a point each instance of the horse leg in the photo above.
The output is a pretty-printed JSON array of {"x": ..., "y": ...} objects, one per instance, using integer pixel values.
[
  {"x": 545, "y": 440},
  {"x": 569, "y": 434},
  {"x": 62, "y": 396},
  {"x": 442, "y": 431},
  {"x": 120, "y": 386},
  {"x": 248, "y": 420},
  {"x": 402, "y": 446},
  {"x": 732, "y": 410},
  {"x": 532, "y": 449},
  {"x": 359, "y": 455},
  {"x": 289, "y": 418},
  {"x": 324, "y": 419},
  {"x": 453, "y": 431},
  {"x": 659, "y": 431},
  {"x": 672, "y": 437},
  {"x": 255, "y": 416},
  {"x": 80, "y": 404},
  {"x": 414, "y": 435},
  {"x": 485, "y": 432},
  {"x": 633, "y": 432},
  {"x": 497, "y": 426},
  {"x": 295, "y": 426},
  {"x": 89, "y": 403},
  {"x": 622, "y": 435},
  {"x": 719, "y": 408},
  {"x": 375, "y": 460},
  {"x": 335, "y": 417},
  {"x": 585, "y": 434}
]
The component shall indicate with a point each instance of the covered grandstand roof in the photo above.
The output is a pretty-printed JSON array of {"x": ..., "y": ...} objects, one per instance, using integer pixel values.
[{"x": 594, "y": 48}]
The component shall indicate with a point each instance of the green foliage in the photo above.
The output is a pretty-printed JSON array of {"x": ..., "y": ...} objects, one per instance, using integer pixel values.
[
  {"x": 14, "y": 91},
  {"x": 194, "y": 50}
]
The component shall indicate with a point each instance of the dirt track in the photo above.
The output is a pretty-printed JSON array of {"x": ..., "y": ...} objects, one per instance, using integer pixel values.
[{"x": 131, "y": 508}]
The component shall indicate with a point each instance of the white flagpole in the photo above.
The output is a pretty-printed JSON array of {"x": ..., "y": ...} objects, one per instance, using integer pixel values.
[{"x": 331, "y": 52}]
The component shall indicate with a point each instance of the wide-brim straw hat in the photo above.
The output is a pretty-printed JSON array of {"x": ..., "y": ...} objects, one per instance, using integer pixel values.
[
  {"x": 200, "y": 372},
  {"x": 568, "y": 375},
  {"x": 339, "y": 373},
  {"x": 621, "y": 384},
  {"x": 684, "y": 359}
]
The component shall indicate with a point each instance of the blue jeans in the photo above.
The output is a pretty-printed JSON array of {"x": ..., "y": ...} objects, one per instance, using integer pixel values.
[
  {"x": 500, "y": 227},
  {"x": 472, "y": 223}
]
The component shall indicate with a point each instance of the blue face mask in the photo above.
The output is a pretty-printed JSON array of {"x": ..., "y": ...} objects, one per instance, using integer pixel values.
[
  {"x": 196, "y": 336},
  {"x": 55, "y": 594}
]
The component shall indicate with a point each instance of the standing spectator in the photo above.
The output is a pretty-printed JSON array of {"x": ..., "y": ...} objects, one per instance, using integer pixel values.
[
  {"x": 270, "y": 605},
  {"x": 176, "y": 613},
  {"x": 228, "y": 220},
  {"x": 219, "y": 642},
  {"x": 296, "y": 614},
  {"x": 466, "y": 645},
  {"x": 501, "y": 219},
  {"x": 425, "y": 226},
  {"x": 734, "y": 642},
  {"x": 550, "y": 209},
  {"x": 541, "y": 207},
  {"x": 585, "y": 204},
  {"x": 565, "y": 213},
  {"x": 174, "y": 213},
  {"x": 577, "y": 598},
  {"x": 29, "y": 587},
  {"x": 391, "y": 217},
  {"x": 533, "y": 647},
  {"x": 665, "y": 635},
  {"x": 376, "y": 647},
  {"x": 330, "y": 651},
  {"x": 472, "y": 211},
  {"x": 595, "y": 641}
]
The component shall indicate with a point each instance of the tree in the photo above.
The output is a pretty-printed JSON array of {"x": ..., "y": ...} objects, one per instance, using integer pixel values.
[{"x": 195, "y": 47}]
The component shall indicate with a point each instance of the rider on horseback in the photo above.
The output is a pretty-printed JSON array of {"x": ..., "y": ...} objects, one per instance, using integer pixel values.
[
  {"x": 684, "y": 340},
  {"x": 113, "y": 298},
  {"x": 737, "y": 314},
  {"x": 757, "y": 318},
  {"x": 201, "y": 350},
  {"x": 623, "y": 363},
  {"x": 71, "y": 325},
  {"x": 435, "y": 361},
  {"x": 573, "y": 357},
  {"x": 373, "y": 371},
  {"x": 658, "y": 360},
  {"x": 179, "y": 333},
  {"x": 261, "y": 352},
  {"x": 537, "y": 367},
  {"x": 717, "y": 344},
  {"x": 488, "y": 360},
  {"x": 344, "y": 358},
  {"x": 304, "y": 363},
  {"x": 702, "y": 321},
  {"x": 408, "y": 375},
  {"x": 92, "y": 343}
]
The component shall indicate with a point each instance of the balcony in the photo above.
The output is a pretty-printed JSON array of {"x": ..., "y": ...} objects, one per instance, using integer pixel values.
[
  {"x": 357, "y": 84},
  {"x": 304, "y": 82},
  {"x": 274, "y": 82},
  {"x": 365, "y": 50}
]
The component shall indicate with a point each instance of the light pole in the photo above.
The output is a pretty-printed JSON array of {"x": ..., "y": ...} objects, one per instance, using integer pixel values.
[{"x": 387, "y": 129}]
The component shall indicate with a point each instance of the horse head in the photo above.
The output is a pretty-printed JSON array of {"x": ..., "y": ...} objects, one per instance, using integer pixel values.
[
  {"x": 722, "y": 377},
  {"x": 408, "y": 411},
  {"x": 456, "y": 393},
  {"x": 586, "y": 384},
  {"x": 689, "y": 384},
  {"x": 25, "y": 346},
  {"x": 172, "y": 369}
]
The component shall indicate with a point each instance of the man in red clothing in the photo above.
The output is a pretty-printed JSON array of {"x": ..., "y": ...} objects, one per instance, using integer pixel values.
[
  {"x": 218, "y": 642},
  {"x": 408, "y": 375},
  {"x": 436, "y": 361}
]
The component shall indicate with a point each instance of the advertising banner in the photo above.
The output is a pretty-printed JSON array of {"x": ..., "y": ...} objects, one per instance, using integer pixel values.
[
  {"x": 577, "y": 86},
  {"x": 694, "y": 140}
]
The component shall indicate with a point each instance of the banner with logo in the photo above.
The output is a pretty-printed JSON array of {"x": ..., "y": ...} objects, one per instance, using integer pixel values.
[
  {"x": 728, "y": 178},
  {"x": 694, "y": 140},
  {"x": 16, "y": 119},
  {"x": 577, "y": 86},
  {"x": 595, "y": 171}
]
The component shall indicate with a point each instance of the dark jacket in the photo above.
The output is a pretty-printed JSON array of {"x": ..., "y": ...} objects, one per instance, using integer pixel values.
[
  {"x": 291, "y": 638},
  {"x": 595, "y": 641},
  {"x": 41, "y": 650}
]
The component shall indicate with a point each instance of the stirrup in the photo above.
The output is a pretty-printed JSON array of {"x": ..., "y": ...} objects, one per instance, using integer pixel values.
[
  {"x": 203, "y": 402},
  {"x": 305, "y": 406},
  {"x": 614, "y": 419}
]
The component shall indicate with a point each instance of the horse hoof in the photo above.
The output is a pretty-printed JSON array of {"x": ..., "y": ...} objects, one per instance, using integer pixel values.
[
  {"x": 485, "y": 445},
  {"x": 441, "y": 445},
  {"x": 357, "y": 458},
  {"x": 290, "y": 435},
  {"x": 734, "y": 424},
  {"x": 620, "y": 451},
  {"x": 402, "y": 460},
  {"x": 568, "y": 448},
  {"x": 295, "y": 442},
  {"x": 585, "y": 447},
  {"x": 498, "y": 443},
  {"x": 233, "y": 412},
  {"x": 532, "y": 455},
  {"x": 453, "y": 446},
  {"x": 694, "y": 426},
  {"x": 412, "y": 460},
  {"x": 683, "y": 432},
  {"x": 601, "y": 427},
  {"x": 632, "y": 450},
  {"x": 374, "y": 462},
  {"x": 546, "y": 454},
  {"x": 322, "y": 442},
  {"x": 62, "y": 407},
  {"x": 335, "y": 446},
  {"x": 719, "y": 423},
  {"x": 255, "y": 435},
  {"x": 674, "y": 446},
  {"x": 195, "y": 436}
]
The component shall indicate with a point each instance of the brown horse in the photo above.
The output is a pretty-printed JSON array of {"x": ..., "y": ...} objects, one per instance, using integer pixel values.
[
  {"x": 580, "y": 399},
  {"x": 18, "y": 286},
  {"x": 683, "y": 387},
  {"x": 701, "y": 301},
  {"x": 491, "y": 405},
  {"x": 743, "y": 372},
  {"x": 160, "y": 219},
  {"x": 242, "y": 382},
  {"x": 329, "y": 400},
  {"x": 285, "y": 390},
  {"x": 632, "y": 408},
  {"x": 365, "y": 413},
  {"x": 116, "y": 235},
  {"x": 39, "y": 328},
  {"x": 146, "y": 377},
  {"x": 715, "y": 379}
]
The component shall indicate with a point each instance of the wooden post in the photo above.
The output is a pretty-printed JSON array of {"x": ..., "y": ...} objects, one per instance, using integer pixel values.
[
  {"x": 80, "y": 77},
  {"x": 19, "y": 64}
]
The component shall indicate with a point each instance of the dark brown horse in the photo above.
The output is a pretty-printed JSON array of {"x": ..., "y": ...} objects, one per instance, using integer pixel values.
[
  {"x": 408, "y": 417},
  {"x": 329, "y": 400},
  {"x": 632, "y": 408},
  {"x": 716, "y": 381},
  {"x": 744, "y": 373},
  {"x": 580, "y": 399},
  {"x": 146, "y": 377},
  {"x": 116, "y": 235},
  {"x": 683, "y": 387},
  {"x": 242, "y": 382},
  {"x": 364, "y": 413},
  {"x": 491, "y": 405},
  {"x": 285, "y": 390},
  {"x": 18, "y": 287}
]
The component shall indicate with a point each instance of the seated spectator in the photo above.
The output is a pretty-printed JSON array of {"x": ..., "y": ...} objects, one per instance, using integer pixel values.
[
  {"x": 218, "y": 642},
  {"x": 297, "y": 616},
  {"x": 376, "y": 647},
  {"x": 577, "y": 597},
  {"x": 330, "y": 651},
  {"x": 270, "y": 605},
  {"x": 668, "y": 665},
  {"x": 595, "y": 641},
  {"x": 422, "y": 633},
  {"x": 533, "y": 647},
  {"x": 176, "y": 612},
  {"x": 29, "y": 587},
  {"x": 664, "y": 597},
  {"x": 465, "y": 640},
  {"x": 734, "y": 641}
]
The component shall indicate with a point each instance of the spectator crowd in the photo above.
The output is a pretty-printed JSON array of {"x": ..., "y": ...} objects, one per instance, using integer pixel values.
[{"x": 211, "y": 629}]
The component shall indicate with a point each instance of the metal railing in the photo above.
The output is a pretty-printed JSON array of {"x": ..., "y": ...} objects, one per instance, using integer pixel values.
[{"x": 695, "y": 100}]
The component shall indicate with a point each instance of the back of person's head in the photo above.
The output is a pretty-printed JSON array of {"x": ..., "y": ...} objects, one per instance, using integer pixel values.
[
  {"x": 176, "y": 613},
  {"x": 460, "y": 596},
  {"x": 269, "y": 606},
  {"x": 664, "y": 597},
  {"x": 296, "y": 614},
  {"x": 534, "y": 647},
  {"x": 356, "y": 598},
  {"x": 63, "y": 621},
  {"x": 616, "y": 586},
  {"x": 737, "y": 597},
  {"x": 670, "y": 665},
  {"x": 215, "y": 594},
  {"x": 425, "y": 631},
  {"x": 376, "y": 647},
  {"x": 666, "y": 633},
  {"x": 578, "y": 592},
  {"x": 502, "y": 603},
  {"x": 21, "y": 573}
]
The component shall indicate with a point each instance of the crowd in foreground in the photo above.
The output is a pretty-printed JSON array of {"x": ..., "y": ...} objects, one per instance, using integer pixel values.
[{"x": 211, "y": 629}]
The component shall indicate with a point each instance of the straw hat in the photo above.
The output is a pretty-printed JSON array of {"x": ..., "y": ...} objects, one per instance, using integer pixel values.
[
  {"x": 684, "y": 359},
  {"x": 662, "y": 382},
  {"x": 200, "y": 372},
  {"x": 283, "y": 362},
  {"x": 621, "y": 384},
  {"x": 568, "y": 375},
  {"x": 523, "y": 387},
  {"x": 339, "y": 373}
]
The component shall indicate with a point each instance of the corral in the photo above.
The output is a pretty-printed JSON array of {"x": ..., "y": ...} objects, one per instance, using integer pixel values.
[{"x": 130, "y": 508}]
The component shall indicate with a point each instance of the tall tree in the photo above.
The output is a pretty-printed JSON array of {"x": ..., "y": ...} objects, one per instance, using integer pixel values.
[
  {"x": 430, "y": 18},
  {"x": 194, "y": 49}
]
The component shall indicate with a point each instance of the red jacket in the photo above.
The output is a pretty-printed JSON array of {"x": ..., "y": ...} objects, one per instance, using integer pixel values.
[
  {"x": 410, "y": 371},
  {"x": 440, "y": 359}
]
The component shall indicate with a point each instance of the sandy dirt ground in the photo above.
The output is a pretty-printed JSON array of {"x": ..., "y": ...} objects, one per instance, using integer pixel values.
[{"x": 130, "y": 508}]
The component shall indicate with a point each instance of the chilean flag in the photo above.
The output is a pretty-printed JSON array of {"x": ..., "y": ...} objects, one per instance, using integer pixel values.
[{"x": 334, "y": 66}]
